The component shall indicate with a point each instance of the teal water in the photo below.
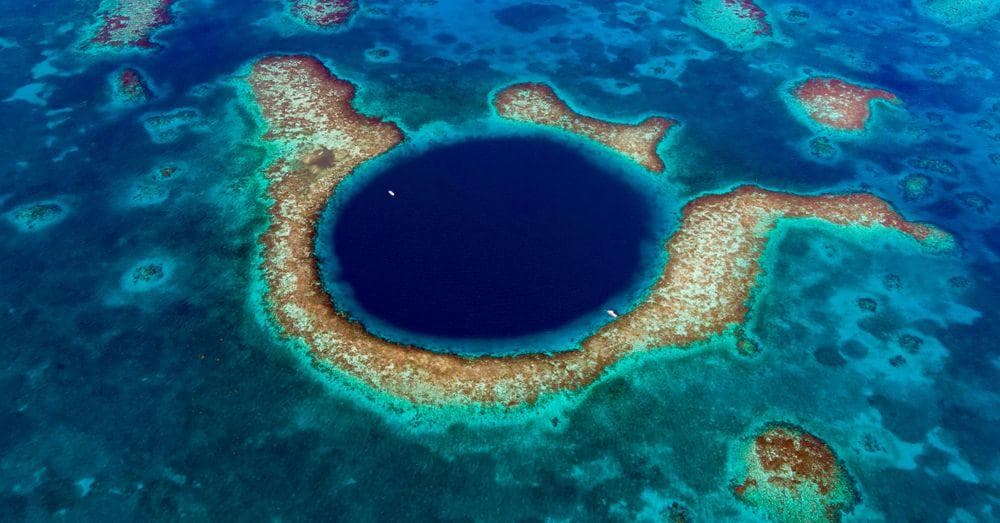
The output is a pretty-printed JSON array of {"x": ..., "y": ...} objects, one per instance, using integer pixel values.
[{"x": 144, "y": 381}]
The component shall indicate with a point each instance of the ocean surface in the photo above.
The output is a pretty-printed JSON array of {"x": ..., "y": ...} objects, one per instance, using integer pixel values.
[{"x": 145, "y": 380}]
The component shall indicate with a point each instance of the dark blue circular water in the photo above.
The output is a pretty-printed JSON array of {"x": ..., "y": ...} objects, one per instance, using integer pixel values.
[{"x": 487, "y": 239}]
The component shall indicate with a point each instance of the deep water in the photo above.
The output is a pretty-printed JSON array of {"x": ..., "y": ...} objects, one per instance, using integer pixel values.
[
  {"x": 168, "y": 395},
  {"x": 489, "y": 239}
]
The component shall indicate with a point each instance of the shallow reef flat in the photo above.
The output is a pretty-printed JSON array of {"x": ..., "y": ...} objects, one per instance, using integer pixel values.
[
  {"x": 125, "y": 24},
  {"x": 835, "y": 105},
  {"x": 741, "y": 24},
  {"x": 791, "y": 475},
  {"x": 539, "y": 104},
  {"x": 323, "y": 13}
]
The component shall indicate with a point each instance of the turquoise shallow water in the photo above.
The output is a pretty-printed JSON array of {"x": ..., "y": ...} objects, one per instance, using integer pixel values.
[{"x": 144, "y": 380}]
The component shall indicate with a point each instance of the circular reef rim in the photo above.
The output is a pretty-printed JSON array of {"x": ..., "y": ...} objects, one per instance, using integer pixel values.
[
  {"x": 320, "y": 139},
  {"x": 627, "y": 220}
]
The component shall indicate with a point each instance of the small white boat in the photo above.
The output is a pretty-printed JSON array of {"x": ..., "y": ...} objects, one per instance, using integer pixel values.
[
  {"x": 393, "y": 194},
  {"x": 612, "y": 313}
]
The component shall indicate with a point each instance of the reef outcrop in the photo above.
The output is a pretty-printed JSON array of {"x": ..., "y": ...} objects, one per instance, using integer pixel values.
[
  {"x": 539, "y": 104},
  {"x": 790, "y": 475},
  {"x": 740, "y": 24},
  {"x": 130, "y": 23},
  {"x": 128, "y": 87},
  {"x": 958, "y": 13},
  {"x": 323, "y": 13},
  {"x": 37, "y": 215},
  {"x": 836, "y": 104}
]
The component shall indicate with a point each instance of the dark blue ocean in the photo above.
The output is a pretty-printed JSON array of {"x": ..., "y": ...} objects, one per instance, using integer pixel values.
[
  {"x": 489, "y": 240},
  {"x": 145, "y": 380}
]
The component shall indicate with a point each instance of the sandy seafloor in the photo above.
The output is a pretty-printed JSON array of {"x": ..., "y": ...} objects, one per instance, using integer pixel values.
[{"x": 176, "y": 400}]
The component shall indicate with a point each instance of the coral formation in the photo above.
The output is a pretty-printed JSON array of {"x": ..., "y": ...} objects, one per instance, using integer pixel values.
[
  {"x": 975, "y": 201},
  {"x": 791, "y": 475},
  {"x": 381, "y": 54},
  {"x": 538, "y": 103},
  {"x": 740, "y": 24},
  {"x": 910, "y": 343},
  {"x": 867, "y": 304},
  {"x": 153, "y": 188},
  {"x": 958, "y": 13},
  {"x": 835, "y": 104},
  {"x": 36, "y": 216},
  {"x": 324, "y": 13},
  {"x": 147, "y": 274},
  {"x": 128, "y": 87},
  {"x": 167, "y": 127},
  {"x": 822, "y": 149},
  {"x": 935, "y": 165},
  {"x": 130, "y": 23},
  {"x": 915, "y": 186}
]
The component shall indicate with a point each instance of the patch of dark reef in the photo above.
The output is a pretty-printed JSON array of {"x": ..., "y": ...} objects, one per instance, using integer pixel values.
[{"x": 530, "y": 17}]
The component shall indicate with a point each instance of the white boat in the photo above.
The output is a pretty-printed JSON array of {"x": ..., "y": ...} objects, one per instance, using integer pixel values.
[
  {"x": 392, "y": 194},
  {"x": 612, "y": 313}
]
